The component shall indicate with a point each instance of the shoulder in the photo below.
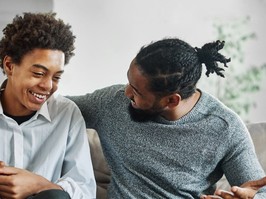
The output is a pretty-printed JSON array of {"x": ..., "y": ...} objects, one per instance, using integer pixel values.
[
  {"x": 222, "y": 115},
  {"x": 112, "y": 90},
  {"x": 99, "y": 96},
  {"x": 58, "y": 103},
  {"x": 59, "y": 100},
  {"x": 211, "y": 104}
]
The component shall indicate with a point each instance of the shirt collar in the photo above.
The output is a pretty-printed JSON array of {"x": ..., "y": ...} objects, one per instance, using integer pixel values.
[
  {"x": 3, "y": 85},
  {"x": 44, "y": 111},
  {"x": 1, "y": 108}
]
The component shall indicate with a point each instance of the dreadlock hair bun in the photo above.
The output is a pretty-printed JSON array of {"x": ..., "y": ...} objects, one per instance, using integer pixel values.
[
  {"x": 209, "y": 55},
  {"x": 171, "y": 65}
]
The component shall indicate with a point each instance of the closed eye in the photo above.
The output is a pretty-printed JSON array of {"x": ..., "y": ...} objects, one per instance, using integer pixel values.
[
  {"x": 57, "y": 78},
  {"x": 37, "y": 74}
]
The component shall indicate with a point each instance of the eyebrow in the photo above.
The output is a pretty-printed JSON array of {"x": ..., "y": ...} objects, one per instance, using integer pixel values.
[{"x": 45, "y": 68}]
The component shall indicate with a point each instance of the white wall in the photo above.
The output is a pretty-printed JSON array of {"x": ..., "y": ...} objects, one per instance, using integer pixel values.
[{"x": 110, "y": 33}]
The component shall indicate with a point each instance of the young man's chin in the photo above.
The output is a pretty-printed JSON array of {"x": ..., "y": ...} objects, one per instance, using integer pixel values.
[{"x": 34, "y": 108}]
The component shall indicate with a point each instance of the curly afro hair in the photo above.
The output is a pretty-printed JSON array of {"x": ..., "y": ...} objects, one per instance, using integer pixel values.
[{"x": 36, "y": 30}]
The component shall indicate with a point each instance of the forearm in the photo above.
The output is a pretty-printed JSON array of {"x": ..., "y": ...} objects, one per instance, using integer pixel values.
[
  {"x": 22, "y": 183},
  {"x": 43, "y": 184}
]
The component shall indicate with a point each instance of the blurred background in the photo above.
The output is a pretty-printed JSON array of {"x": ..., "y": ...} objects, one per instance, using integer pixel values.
[{"x": 110, "y": 33}]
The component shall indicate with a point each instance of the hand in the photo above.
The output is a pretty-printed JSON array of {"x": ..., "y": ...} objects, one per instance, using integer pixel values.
[
  {"x": 19, "y": 184},
  {"x": 225, "y": 195},
  {"x": 249, "y": 189},
  {"x": 246, "y": 191},
  {"x": 237, "y": 193}
]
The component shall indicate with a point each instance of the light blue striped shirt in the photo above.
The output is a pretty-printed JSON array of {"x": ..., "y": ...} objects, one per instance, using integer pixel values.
[{"x": 52, "y": 144}]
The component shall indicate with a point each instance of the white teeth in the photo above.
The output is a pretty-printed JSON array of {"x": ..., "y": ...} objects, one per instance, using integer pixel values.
[{"x": 38, "y": 95}]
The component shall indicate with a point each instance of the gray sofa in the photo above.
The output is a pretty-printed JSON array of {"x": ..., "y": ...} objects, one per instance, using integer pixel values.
[{"x": 102, "y": 173}]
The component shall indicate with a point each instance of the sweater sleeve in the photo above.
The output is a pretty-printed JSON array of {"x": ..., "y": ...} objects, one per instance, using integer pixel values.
[
  {"x": 93, "y": 105},
  {"x": 241, "y": 163}
]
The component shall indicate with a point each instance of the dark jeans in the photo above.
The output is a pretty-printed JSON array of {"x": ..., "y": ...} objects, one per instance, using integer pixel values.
[{"x": 51, "y": 194}]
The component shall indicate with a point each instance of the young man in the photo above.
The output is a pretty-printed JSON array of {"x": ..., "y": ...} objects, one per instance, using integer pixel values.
[
  {"x": 162, "y": 136},
  {"x": 44, "y": 151}
]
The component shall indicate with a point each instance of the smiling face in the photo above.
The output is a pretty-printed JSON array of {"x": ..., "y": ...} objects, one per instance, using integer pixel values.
[
  {"x": 144, "y": 103},
  {"x": 31, "y": 82}
]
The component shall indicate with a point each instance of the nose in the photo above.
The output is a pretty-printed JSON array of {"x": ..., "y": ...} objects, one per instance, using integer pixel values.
[
  {"x": 128, "y": 91},
  {"x": 46, "y": 84}
]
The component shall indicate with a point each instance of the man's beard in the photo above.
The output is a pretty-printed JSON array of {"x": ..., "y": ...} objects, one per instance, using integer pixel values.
[{"x": 138, "y": 115}]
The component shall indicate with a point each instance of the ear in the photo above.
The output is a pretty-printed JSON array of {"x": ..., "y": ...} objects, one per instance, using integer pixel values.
[
  {"x": 173, "y": 100},
  {"x": 8, "y": 65}
]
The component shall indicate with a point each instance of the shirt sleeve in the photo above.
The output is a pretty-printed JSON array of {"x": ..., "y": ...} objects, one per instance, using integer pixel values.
[{"x": 77, "y": 173}]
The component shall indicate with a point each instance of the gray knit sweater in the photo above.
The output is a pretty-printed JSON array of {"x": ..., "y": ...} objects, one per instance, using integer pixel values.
[{"x": 169, "y": 159}]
